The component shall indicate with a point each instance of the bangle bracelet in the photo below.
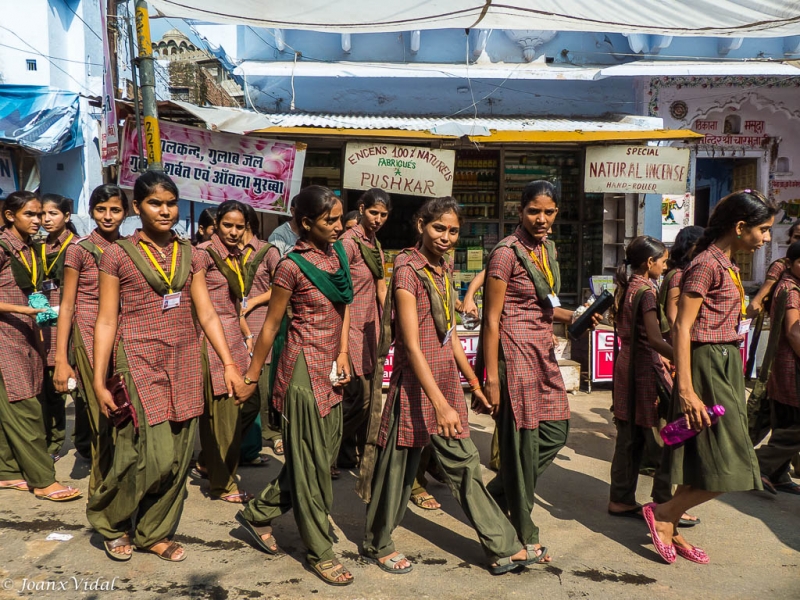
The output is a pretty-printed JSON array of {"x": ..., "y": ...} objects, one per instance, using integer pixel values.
[
  {"x": 343, "y": 352},
  {"x": 473, "y": 383},
  {"x": 228, "y": 365},
  {"x": 475, "y": 389}
]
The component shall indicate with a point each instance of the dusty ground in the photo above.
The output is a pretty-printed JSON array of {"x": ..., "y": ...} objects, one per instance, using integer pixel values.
[{"x": 753, "y": 540}]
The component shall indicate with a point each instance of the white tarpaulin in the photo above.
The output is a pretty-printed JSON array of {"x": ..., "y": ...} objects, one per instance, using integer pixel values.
[{"x": 738, "y": 18}]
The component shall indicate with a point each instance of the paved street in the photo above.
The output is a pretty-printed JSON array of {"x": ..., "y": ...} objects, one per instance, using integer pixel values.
[{"x": 753, "y": 540}]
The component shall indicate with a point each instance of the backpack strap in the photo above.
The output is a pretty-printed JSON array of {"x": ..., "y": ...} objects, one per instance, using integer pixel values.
[
  {"x": 91, "y": 248},
  {"x": 251, "y": 267},
  {"x": 22, "y": 277},
  {"x": 182, "y": 272}
]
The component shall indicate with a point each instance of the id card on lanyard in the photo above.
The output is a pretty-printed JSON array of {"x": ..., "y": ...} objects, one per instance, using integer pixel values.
[
  {"x": 543, "y": 265},
  {"x": 49, "y": 285},
  {"x": 172, "y": 299},
  {"x": 237, "y": 266},
  {"x": 445, "y": 298},
  {"x": 744, "y": 324}
]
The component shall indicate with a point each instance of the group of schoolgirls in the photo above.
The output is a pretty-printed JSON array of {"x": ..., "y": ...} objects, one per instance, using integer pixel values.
[{"x": 679, "y": 355}]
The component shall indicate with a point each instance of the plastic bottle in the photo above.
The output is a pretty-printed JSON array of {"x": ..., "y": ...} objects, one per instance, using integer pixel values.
[{"x": 678, "y": 431}]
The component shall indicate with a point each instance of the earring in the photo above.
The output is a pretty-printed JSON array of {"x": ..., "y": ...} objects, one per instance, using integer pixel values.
[{"x": 739, "y": 236}]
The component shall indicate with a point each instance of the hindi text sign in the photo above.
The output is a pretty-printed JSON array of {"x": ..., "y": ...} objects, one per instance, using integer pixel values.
[
  {"x": 636, "y": 169},
  {"x": 408, "y": 170},
  {"x": 213, "y": 167}
]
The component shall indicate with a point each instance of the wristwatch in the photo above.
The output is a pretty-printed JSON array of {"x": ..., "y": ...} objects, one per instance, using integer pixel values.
[{"x": 248, "y": 381}]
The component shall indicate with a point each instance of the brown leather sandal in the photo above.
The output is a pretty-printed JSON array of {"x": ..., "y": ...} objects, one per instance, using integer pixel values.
[{"x": 168, "y": 552}]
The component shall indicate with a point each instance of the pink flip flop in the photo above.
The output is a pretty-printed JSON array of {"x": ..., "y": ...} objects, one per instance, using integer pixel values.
[
  {"x": 666, "y": 551},
  {"x": 693, "y": 554}
]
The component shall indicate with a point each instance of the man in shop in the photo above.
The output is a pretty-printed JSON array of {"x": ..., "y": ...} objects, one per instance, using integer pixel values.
[{"x": 285, "y": 236}]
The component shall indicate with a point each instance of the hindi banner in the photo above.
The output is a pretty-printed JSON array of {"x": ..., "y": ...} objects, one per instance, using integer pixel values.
[
  {"x": 8, "y": 174},
  {"x": 213, "y": 167}
]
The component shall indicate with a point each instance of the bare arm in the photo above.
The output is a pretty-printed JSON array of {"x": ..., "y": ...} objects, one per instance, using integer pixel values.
[
  {"x": 381, "y": 285},
  {"x": 671, "y": 306},
  {"x": 757, "y": 304},
  {"x": 688, "y": 309},
  {"x": 447, "y": 418},
  {"x": 18, "y": 309},
  {"x": 105, "y": 331},
  {"x": 266, "y": 337},
  {"x": 654, "y": 336},
  {"x": 469, "y": 306},
  {"x": 494, "y": 300},
  {"x": 212, "y": 327},
  {"x": 69, "y": 291},
  {"x": 343, "y": 360},
  {"x": 479, "y": 402},
  {"x": 260, "y": 300}
]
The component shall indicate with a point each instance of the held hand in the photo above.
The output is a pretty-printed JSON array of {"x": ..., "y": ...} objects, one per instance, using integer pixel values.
[
  {"x": 696, "y": 415},
  {"x": 250, "y": 343},
  {"x": 343, "y": 368},
  {"x": 232, "y": 378},
  {"x": 105, "y": 400},
  {"x": 492, "y": 390},
  {"x": 61, "y": 376},
  {"x": 480, "y": 404},
  {"x": 449, "y": 425},
  {"x": 30, "y": 312}
]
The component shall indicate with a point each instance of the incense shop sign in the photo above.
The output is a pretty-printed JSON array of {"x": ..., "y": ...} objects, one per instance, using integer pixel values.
[
  {"x": 406, "y": 170},
  {"x": 636, "y": 169}
]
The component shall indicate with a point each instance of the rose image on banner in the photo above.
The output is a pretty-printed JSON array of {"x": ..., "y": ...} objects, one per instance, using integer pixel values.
[{"x": 213, "y": 167}]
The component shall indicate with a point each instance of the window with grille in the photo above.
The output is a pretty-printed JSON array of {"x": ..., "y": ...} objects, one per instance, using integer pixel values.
[{"x": 31, "y": 63}]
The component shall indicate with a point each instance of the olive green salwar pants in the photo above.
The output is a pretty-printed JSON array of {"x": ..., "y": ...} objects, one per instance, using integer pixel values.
[
  {"x": 459, "y": 461},
  {"x": 311, "y": 443}
]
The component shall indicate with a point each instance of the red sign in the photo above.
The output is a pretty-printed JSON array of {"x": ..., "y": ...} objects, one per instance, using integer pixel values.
[
  {"x": 469, "y": 341},
  {"x": 602, "y": 355}
]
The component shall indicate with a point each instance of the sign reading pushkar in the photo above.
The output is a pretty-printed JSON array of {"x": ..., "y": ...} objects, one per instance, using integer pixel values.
[
  {"x": 405, "y": 170},
  {"x": 636, "y": 170}
]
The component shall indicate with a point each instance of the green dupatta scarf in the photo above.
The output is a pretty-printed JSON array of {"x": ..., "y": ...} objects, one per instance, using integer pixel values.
[{"x": 336, "y": 287}]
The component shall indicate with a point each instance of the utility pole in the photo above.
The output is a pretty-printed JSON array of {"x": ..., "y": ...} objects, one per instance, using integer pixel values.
[{"x": 147, "y": 84}]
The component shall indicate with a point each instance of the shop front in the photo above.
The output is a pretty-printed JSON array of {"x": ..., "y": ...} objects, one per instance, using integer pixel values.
[{"x": 486, "y": 174}]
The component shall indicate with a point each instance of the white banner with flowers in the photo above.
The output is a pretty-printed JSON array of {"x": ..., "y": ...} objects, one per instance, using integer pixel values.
[{"x": 213, "y": 167}]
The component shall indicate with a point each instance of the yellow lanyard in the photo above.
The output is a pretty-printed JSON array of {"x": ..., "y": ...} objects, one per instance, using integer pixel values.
[
  {"x": 167, "y": 280},
  {"x": 445, "y": 300},
  {"x": 31, "y": 267},
  {"x": 737, "y": 280},
  {"x": 55, "y": 260},
  {"x": 544, "y": 266},
  {"x": 237, "y": 267}
]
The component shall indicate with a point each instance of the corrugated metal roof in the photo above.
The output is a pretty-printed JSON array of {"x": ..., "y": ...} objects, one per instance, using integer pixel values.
[{"x": 462, "y": 126}]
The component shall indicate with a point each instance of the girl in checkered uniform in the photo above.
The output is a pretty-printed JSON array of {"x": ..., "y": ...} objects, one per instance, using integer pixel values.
[
  {"x": 706, "y": 337},
  {"x": 108, "y": 206},
  {"x": 314, "y": 365},
  {"x": 25, "y": 460},
  {"x": 152, "y": 289},
  {"x": 425, "y": 404},
  {"x": 60, "y": 235},
  {"x": 636, "y": 409}
]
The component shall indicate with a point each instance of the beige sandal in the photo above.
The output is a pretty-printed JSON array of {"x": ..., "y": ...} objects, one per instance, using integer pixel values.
[
  {"x": 330, "y": 571},
  {"x": 422, "y": 499}
]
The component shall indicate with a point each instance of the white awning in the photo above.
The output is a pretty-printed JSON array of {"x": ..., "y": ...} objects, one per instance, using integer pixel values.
[
  {"x": 517, "y": 71},
  {"x": 737, "y": 18}
]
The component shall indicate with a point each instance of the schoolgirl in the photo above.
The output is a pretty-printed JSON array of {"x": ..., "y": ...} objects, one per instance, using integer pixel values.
[
  {"x": 642, "y": 384},
  {"x": 108, "y": 206},
  {"x": 782, "y": 386},
  {"x": 222, "y": 422},
  {"x": 60, "y": 234},
  {"x": 365, "y": 256},
  {"x": 426, "y": 404},
  {"x": 706, "y": 337},
  {"x": 150, "y": 285},
  {"x": 314, "y": 279},
  {"x": 261, "y": 259},
  {"x": 774, "y": 274},
  {"x": 679, "y": 257},
  {"x": 523, "y": 381},
  {"x": 25, "y": 463},
  {"x": 205, "y": 226}
]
